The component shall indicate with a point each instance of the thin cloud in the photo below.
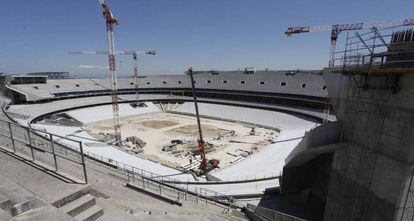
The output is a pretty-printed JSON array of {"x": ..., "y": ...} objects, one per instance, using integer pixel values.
[{"x": 92, "y": 67}]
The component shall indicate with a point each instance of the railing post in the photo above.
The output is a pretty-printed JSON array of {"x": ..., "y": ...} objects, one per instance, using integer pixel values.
[
  {"x": 186, "y": 193},
  {"x": 160, "y": 188},
  {"x": 196, "y": 195},
  {"x": 11, "y": 137},
  {"x": 143, "y": 183},
  {"x": 30, "y": 144},
  {"x": 83, "y": 162},
  {"x": 53, "y": 151},
  {"x": 206, "y": 197},
  {"x": 178, "y": 196}
]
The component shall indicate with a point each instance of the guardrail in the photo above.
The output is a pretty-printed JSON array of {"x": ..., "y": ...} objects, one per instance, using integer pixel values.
[
  {"x": 72, "y": 150},
  {"x": 18, "y": 134},
  {"x": 165, "y": 184},
  {"x": 267, "y": 214}
]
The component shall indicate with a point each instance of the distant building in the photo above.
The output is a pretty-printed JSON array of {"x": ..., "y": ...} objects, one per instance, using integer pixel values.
[
  {"x": 28, "y": 80},
  {"x": 51, "y": 75}
]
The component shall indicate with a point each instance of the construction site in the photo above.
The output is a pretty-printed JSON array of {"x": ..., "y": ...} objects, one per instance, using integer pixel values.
[
  {"x": 171, "y": 139},
  {"x": 283, "y": 145}
]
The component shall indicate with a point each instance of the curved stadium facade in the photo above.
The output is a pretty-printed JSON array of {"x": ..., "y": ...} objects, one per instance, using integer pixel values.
[{"x": 290, "y": 102}]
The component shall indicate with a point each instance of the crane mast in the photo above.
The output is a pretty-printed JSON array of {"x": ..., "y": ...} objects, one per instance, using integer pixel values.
[
  {"x": 135, "y": 63},
  {"x": 110, "y": 22}
]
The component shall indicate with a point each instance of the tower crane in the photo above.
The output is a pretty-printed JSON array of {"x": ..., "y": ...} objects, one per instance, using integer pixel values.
[
  {"x": 135, "y": 63},
  {"x": 110, "y": 22},
  {"x": 338, "y": 28}
]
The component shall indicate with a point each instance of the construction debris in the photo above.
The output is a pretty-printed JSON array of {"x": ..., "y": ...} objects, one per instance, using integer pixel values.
[{"x": 136, "y": 141}]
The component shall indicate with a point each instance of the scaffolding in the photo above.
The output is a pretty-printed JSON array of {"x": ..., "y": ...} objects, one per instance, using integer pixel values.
[
  {"x": 373, "y": 68},
  {"x": 378, "y": 51}
]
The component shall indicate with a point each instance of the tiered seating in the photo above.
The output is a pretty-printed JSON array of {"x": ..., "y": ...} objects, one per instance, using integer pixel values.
[
  {"x": 261, "y": 117},
  {"x": 269, "y": 161},
  {"x": 88, "y": 115}
]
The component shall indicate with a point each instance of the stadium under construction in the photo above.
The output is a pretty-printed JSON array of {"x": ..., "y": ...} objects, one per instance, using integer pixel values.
[{"x": 330, "y": 144}]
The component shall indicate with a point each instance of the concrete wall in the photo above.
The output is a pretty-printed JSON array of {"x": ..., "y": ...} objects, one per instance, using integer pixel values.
[
  {"x": 321, "y": 136},
  {"x": 370, "y": 173}
]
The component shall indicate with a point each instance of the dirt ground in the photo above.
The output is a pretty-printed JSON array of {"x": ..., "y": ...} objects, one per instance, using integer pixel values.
[
  {"x": 157, "y": 124},
  {"x": 231, "y": 142}
]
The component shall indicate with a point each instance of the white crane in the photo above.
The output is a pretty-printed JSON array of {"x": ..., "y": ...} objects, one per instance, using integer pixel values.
[{"x": 135, "y": 63}]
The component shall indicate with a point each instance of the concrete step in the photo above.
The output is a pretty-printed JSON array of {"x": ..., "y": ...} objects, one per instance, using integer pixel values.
[
  {"x": 72, "y": 196},
  {"x": 79, "y": 205},
  {"x": 5, "y": 203},
  {"x": 43, "y": 213},
  {"x": 90, "y": 214},
  {"x": 4, "y": 215},
  {"x": 20, "y": 208}
]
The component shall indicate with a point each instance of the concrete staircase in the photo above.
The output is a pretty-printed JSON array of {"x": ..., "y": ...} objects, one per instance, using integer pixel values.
[
  {"x": 81, "y": 206},
  {"x": 191, "y": 207}
]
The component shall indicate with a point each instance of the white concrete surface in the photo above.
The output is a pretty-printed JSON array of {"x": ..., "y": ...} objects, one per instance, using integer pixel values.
[
  {"x": 271, "y": 159},
  {"x": 240, "y": 188},
  {"x": 268, "y": 162},
  {"x": 110, "y": 152},
  {"x": 104, "y": 112}
]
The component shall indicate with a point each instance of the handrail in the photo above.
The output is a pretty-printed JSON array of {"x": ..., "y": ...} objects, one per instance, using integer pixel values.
[
  {"x": 125, "y": 169},
  {"x": 163, "y": 179},
  {"x": 13, "y": 131},
  {"x": 272, "y": 215}
]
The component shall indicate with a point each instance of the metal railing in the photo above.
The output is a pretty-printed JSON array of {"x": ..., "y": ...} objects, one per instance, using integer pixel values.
[
  {"x": 37, "y": 140},
  {"x": 168, "y": 187},
  {"x": 72, "y": 150},
  {"x": 267, "y": 214},
  {"x": 375, "y": 48},
  {"x": 50, "y": 144}
]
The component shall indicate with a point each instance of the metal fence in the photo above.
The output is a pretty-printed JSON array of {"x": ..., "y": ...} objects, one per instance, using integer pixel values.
[
  {"x": 167, "y": 187},
  {"x": 267, "y": 214},
  {"x": 28, "y": 139},
  {"x": 37, "y": 141},
  {"x": 60, "y": 147}
]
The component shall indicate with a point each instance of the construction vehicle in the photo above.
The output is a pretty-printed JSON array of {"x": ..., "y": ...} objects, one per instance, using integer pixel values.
[
  {"x": 205, "y": 165},
  {"x": 338, "y": 28}
]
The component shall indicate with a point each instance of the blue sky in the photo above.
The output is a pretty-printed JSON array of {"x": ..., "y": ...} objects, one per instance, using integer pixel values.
[{"x": 219, "y": 34}]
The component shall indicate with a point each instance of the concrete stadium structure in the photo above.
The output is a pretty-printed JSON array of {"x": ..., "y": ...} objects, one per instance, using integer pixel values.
[
  {"x": 290, "y": 87},
  {"x": 293, "y": 102},
  {"x": 359, "y": 167},
  {"x": 301, "y": 93}
]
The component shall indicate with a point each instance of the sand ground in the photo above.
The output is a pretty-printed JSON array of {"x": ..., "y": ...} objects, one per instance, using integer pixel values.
[{"x": 159, "y": 129}]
